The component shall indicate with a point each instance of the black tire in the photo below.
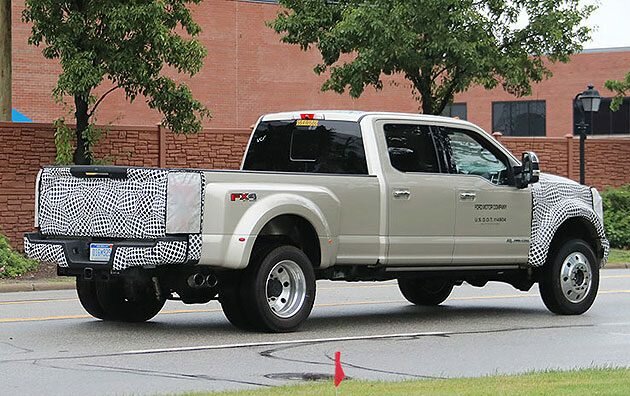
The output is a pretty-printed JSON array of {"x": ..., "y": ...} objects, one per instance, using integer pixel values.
[
  {"x": 570, "y": 278},
  {"x": 232, "y": 303},
  {"x": 140, "y": 307},
  {"x": 427, "y": 292},
  {"x": 283, "y": 271},
  {"x": 86, "y": 290}
]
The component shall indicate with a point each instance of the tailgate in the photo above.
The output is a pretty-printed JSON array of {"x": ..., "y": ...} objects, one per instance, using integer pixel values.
[{"x": 119, "y": 202}]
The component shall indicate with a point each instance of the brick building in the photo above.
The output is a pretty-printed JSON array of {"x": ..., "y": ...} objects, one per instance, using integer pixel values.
[{"x": 248, "y": 72}]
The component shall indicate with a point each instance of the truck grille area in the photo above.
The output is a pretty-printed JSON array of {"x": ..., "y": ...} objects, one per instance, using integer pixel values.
[{"x": 131, "y": 207}]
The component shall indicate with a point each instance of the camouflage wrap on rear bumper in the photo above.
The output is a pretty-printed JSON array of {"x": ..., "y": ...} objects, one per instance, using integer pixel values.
[
  {"x": 123, "y": 257},
  {"x": 46, "y": 252}
]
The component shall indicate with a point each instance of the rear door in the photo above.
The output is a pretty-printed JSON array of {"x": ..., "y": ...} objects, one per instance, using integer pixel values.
[{"x": 421, "y": 204}]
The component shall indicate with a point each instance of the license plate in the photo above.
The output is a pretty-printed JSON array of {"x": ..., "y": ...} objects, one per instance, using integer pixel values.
[{"x": 100, "y": 251}]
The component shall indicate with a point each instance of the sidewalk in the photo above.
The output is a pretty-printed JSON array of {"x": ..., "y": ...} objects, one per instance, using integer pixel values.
[{"x": 12, "y": 286}]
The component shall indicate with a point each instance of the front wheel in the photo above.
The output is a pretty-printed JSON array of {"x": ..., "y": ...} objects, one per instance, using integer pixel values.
[
  {"x": 570, "y": 279},
  {"x": 278, "y": 290},
  {"x": 425, "y": 291}
]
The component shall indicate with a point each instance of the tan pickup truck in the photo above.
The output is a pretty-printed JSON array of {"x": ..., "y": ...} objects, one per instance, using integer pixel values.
[{"x": 430, "y": 201}]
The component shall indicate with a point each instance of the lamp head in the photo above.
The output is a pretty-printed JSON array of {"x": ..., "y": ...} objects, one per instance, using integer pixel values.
[{"x": 590, "y": 99}]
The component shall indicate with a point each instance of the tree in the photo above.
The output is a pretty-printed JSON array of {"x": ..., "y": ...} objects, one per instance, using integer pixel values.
[
  {"x": 128, "y": 43},
  {"x": 621, "y": 88},
  {"x": 440, "y": 46}
]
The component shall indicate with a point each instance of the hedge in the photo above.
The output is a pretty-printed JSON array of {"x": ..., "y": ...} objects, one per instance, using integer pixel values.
[
  {"x": 617, "y": 216},
  {"x": 12, "y": 263}
]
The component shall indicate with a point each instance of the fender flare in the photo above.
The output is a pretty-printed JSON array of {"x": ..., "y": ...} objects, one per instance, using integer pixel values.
[
  {"x": 252, "y": 222},
  {"x": 545, "y": 226}
]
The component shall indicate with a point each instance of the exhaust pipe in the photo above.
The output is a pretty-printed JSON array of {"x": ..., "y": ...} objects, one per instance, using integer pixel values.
[
  {"x": 211, "y": 280},
  {"x": 196, "y": 281}
]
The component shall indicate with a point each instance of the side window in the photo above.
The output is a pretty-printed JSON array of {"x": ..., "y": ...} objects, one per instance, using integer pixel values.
[
  {"x": 470, "y": 157},
  {"x": 411, "y": 148}
]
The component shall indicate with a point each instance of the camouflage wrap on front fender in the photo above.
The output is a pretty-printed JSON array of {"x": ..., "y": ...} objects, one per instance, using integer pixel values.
[{"x": 555, "y": 200}]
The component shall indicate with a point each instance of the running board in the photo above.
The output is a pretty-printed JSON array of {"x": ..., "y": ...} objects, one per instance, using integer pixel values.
[{"x": 454, "y": 268}]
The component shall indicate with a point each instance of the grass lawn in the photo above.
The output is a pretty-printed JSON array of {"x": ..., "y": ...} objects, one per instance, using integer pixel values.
[
  {"x": 619, "y": 256},
  {"x": 582, "y": 382}
]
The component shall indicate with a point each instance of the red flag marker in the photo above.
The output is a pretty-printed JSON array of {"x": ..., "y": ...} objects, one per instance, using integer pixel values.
[{"x": 339, "y": 374}]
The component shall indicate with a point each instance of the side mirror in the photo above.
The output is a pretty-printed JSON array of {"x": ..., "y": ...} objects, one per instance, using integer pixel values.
[{"x": 530, "y": 170}]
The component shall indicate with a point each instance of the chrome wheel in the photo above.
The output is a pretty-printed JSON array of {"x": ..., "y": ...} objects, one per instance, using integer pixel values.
[
  {"x": 576, "y": 277},
  {"x": 286, "y": 289}
]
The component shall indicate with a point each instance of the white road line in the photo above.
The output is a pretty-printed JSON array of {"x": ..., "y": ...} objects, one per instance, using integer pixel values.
[{"x": 288, "y": 342}]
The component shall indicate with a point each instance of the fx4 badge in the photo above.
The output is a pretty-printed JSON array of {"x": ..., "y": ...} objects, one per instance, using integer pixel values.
[{"x": 247, "y": 197}]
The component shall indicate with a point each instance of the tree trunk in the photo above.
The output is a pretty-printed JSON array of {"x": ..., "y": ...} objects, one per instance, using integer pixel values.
[
  {"x": 82, "y": 155},
  {"x": 5, "y": 60}
]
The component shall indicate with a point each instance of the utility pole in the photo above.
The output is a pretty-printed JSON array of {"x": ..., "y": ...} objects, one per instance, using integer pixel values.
[{"x": 5, "y": 60}]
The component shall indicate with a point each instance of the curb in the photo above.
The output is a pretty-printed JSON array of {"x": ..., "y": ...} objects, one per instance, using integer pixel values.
[
  {"x": 35, "y": 286},
  {"x": 617, "y": 266}
]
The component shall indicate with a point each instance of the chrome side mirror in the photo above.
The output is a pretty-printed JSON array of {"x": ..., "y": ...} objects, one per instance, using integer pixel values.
[{"x": 529, "y": 171}]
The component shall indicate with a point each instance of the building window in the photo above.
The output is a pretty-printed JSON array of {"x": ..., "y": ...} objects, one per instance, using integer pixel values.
[
  {"x": 606, "y": 121},
  {"x": 456, "y": 110},
  {"x": 525, "y": 118}
]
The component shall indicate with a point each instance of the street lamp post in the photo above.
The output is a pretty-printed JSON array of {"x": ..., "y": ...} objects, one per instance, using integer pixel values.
[{"x": 587, "y": 101}]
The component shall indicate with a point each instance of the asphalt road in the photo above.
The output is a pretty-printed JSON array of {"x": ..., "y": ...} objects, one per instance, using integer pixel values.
[{"x": 48, "y": 345}]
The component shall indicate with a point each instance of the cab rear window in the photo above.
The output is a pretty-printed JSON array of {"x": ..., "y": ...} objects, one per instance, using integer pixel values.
[{"x": 316, "y": 146}]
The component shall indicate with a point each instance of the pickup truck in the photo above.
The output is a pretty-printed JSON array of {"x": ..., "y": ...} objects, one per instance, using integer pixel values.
[{"x": 429, "y": 201}]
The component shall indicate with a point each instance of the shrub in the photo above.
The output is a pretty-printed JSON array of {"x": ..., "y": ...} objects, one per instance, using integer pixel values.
[
  {"x": 617, "y": 216},
  {"x": 13, "y": 263}
]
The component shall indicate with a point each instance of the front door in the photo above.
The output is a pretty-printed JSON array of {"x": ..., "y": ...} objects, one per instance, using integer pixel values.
[{"x": 493, "y": 217}]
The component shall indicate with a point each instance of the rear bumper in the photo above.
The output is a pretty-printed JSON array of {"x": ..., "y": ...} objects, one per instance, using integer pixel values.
[{"x": 72, "y": 255}]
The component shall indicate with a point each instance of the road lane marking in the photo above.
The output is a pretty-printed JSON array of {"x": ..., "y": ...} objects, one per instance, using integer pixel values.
[
  {"x": 286, "y": 342},
  {"x": 322, "y": 305},
  {"x": 62, "y": 317},
  {"x": 37, "y": 301},
  {"x": 613, "y": 291},
  {"x": 615, "y": 276}
]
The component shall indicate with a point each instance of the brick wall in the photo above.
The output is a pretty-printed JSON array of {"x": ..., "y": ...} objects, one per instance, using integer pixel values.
[
  {"x": 605, "y": 158},
  {"x": 212, "y": 149},
  {"x": 27, "y": 147},
  {"x": 23, "y": 149}
]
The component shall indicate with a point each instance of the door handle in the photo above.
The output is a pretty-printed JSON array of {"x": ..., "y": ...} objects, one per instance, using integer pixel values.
[
  {"x": 402, "y": 194},
  {"x": 467, "y": 196}
]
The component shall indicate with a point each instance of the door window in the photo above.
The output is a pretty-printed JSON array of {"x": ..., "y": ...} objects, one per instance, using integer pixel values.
[
  {"x": 471, "y": 157},
  {"x": 411, "y": 148}
]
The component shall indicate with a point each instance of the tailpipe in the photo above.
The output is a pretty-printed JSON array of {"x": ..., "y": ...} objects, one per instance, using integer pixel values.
[
  {"x": 211, "y": 280},
  {"x": 196, "y": 280}
]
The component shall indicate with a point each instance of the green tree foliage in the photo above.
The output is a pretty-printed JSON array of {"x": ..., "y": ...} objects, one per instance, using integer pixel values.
[
  {"x": 441, "y": 46},
  {"x": 621, "y": 88},
  {"x": 12, "y": 263},
  {"x": 128, "y": 43},
  {"x": 617, "y": 216}
]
